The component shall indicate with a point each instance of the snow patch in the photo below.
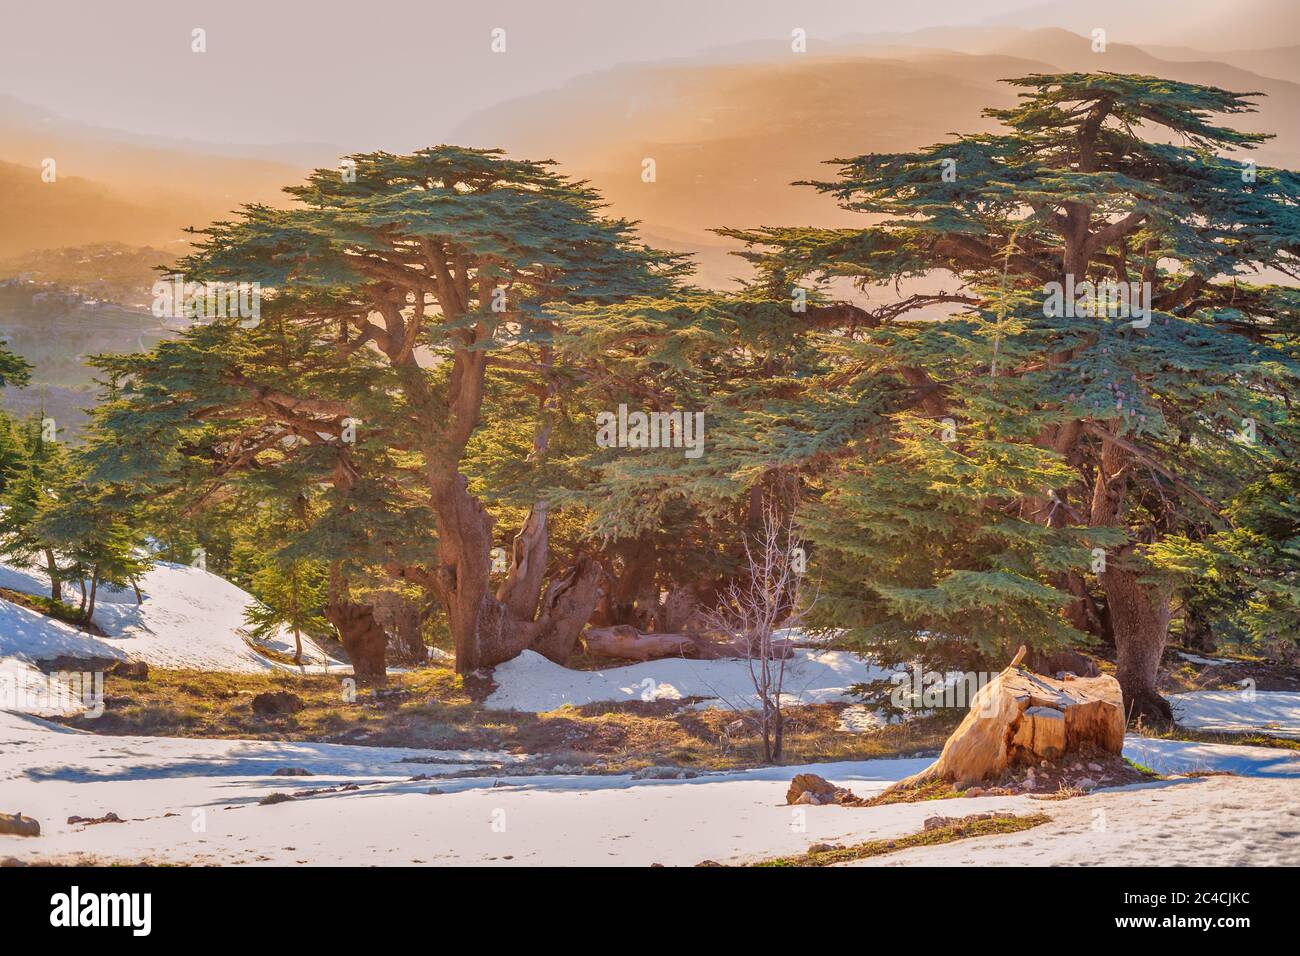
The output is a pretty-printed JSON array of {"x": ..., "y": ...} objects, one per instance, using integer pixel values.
[
  {"x": 1239, "y": 711},
  {"x": 188, "y": 619},
  {"x": 534, "y": 684}
]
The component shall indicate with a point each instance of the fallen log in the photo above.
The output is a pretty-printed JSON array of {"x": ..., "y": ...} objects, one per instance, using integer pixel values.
[
  {"x": 1021, "y": 718},
  {"x": 627, "y": 643}
]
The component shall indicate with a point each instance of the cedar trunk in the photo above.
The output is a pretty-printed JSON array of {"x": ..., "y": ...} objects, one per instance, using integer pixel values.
[
  {"x": 1140, "y": 614},
  {"x": 1138, "y": 611},
  {"x": 488, "y": 628},
  {"x": 362, "y": 637}
]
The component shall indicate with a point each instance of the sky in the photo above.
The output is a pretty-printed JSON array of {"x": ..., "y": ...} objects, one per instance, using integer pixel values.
[{"x": 396, "y": 73}]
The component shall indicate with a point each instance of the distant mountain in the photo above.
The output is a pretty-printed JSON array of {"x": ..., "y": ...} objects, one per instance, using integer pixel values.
[
  {"x": 728, "y": 139},
  {"x": 117, "y": 186},
  {"x": 1282, "y": 62},
  {"x": 1208, "y": 25}
]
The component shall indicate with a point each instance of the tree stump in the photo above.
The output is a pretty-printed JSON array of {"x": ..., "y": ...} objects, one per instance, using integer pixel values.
[{"x": 1020, "y": 718}]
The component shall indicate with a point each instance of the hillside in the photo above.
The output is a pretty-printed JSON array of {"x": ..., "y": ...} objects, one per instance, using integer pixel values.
[
  {"x": 729, "y": 138},
  {"x": 188, "y": 618}
]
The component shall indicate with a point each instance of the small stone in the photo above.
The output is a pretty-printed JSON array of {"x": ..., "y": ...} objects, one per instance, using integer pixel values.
[
  {"x": 975, "y": 792},
  {"x": 820, "y": 848},
  {"x": 935, "y": 823},
  {"x": 663, "y": 773},
  {"x": 273, "y": 798},
  {"x": 277, "y": 703},
  {"x": 1096, "y": 767},
  {"x": 435, "y": 792},
  {"x": 291, "y": 772},
  {"x": 1086, "y": 783},
  {"x": 136, "y": 670}
]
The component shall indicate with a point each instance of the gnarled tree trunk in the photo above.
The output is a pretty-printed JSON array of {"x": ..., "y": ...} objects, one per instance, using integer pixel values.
[
  {"x": 363, "y": 639},
  {"x": 489, "y": 629}
]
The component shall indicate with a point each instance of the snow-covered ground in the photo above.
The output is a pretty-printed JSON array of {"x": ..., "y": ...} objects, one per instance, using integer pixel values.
[
  {"x": 1219, "y": 821},
  {"x": 197, "y": 801},
  {"x": 188, "y": 619},
  {"x": 1239, "y": 711},
  {"x": 532, "y": 683}
]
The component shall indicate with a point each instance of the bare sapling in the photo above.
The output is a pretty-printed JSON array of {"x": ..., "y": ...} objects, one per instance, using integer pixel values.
[{"x": 762, "y": 599}]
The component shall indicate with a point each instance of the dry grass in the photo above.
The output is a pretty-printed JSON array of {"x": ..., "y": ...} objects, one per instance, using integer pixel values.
[
  {"x": 1250, "y": 738},
  {"x": 432, "y": 708},
  {"x": 962, "y": 829}
]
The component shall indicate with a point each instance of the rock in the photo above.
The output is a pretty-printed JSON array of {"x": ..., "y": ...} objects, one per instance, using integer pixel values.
[
  {"x": 806, "y": 799},
  {"x": 291, "y": 772},
  {"x": 663, "y": 773},
  {"x": 821, "y": 789},
  {"x": 11, "y": 861},
  {"x": 136, "y": 670},
  {"x": 1087, "y": 783},
  {"x": 1096, "y": 767},
  {"x": 15, "y": 824},
  {"x": 936, "y": 823},
  {"x": 273, "y": 798},
  {"x": 109, "y": 817},
  {"x": 825, "y": 847},
  {"x": 975, "y": 792},
  {"x": 277, "y": 703},
  {"x": 435, "y": 792}
]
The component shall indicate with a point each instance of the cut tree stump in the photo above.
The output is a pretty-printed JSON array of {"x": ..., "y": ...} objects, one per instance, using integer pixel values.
[
  {"x": 626, "y": 642},
  {"x": 1020, "y": 718}
]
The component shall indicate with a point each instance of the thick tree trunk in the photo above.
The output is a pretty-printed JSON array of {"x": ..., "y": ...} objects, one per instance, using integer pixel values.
[
  {"x": 363, "y": 639},
  {"x": 486, "y": 628},
  {"x": 632, "y": 584},
  {"x": 1140, "y": 613}
]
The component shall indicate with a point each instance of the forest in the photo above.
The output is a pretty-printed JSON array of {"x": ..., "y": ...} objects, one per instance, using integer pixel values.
[{"x": 1041, "y": 394}]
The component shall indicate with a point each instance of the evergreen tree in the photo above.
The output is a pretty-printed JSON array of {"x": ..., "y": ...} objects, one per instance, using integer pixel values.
[
  {"x": 387, "y": 299},
  {"x": 38, "y": 467},
  {"x": 1045, "y": 439}
]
